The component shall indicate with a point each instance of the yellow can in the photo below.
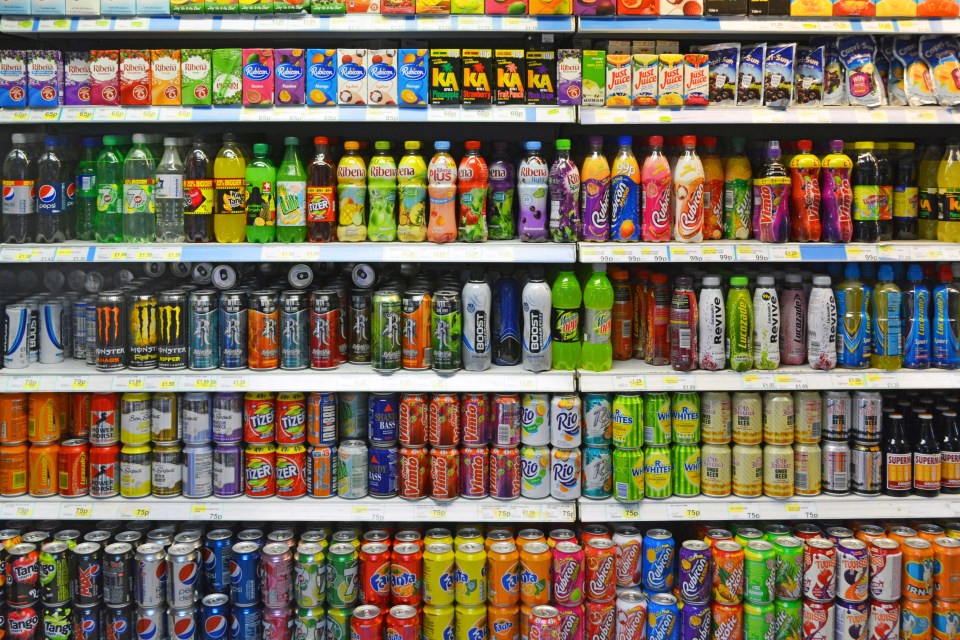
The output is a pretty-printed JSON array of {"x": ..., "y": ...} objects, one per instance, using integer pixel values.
[
  {"x": 747, "y": 417},
  {"x": 471, "y": 567},
  {"x": 467, "y": 534},
  {"x": 807, "y": 469},
  {"x": 778, "y": 471},
  {"x": 471, "y": 622},
  {"x": 439, "y": 575},
  {"x": 778, "y": 418},
  {"x": 747, "y": 470},
  {"x": 715, "y": 417},
  {"x": 715, "y": 476},
  {"x": 438, "y": 535},
  {"x": 135, "y": 418},
  {"x": 438, "y": 622},
  {"x": 135, "y": 471}
]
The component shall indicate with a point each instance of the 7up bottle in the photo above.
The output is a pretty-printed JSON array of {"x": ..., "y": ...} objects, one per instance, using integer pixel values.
[
  {"x": 108, "y": 222},
  {"x": 291, "y": 195}
]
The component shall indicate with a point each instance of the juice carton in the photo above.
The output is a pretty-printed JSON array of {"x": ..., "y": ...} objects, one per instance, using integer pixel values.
[
  {"x": 352, "y": 76},
  {"x": 165, "y": 70},
  {"x": 290, "y": 83},
  {"x": 290, "y": 6},
  {"x": 257, "y": 77},
  {"x": 413, "y": 80},
  {"x": 855, "y": 8},
  {"x": 13, "y": 78},
  {"x": 135, "y": 82},
  {"x": 220, "y": 7},
  {"x": 885, "y": 8},
  {"x": 328, "y": 7},
  {"x": 196, "y": 77},
  {"x": 434, "y": 7},
  {"x": 667, "y": 46},
  {"x": 14, "y": 7},
  {"x": 382, "y": 77},
  {"x": 153, "y": 7},
  {"x": 619, "y": 80},
  {"x": 937, "y": 8},
  {"x": 500, "y": 7},
  {"x": 477, "y": 71},
  {"x": 257, "y": 6},
  {"x": 322, "y": 77},
  {"x": 118, "y": 7},
  {"x": 569, "y": 77},
  {"x": 398, "y": 7},
  {"x": 76, "y": 78},
  {"x": 637, "y": 7},
  {"x": 541, "y": 77},
  {"x": 618, "y": 47},
  {"x": 725, "y": 7},
  {"x": 811, "y": 8},
  {"x": 511, "y": 70},
  {"x": 671, "y": 80},
  {"x": 363, "y": 6},
  {"x": 696, "y": 80},
  {"x": 594, "y": 78},
  {"x": 186, "y": 7},
  {"x": 48, "y": 7},
  {"x": 466, "y": 7},
  {"x": 594, "y": 7},
  {"x": 45, "y": 78},
  {"x": 646, "y": 79},
  {"x": 682, "y": 8},
  {"x": 104, "y": 77},
  {"x": 445, "y": 72},
  {"x": 227, "y": 76},
  {"x": 550, "y": 7}
]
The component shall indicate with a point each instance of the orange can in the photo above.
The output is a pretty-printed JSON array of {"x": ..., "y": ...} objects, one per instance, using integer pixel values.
[
  {"x": 79, "y": 415},
  {"x": 530, "y": 535},
  {"x": 497, "y": 535},
  {"x": 503, "y": 575},
  {"x": 13, "y": 469},
  {"x": 43, "y": 480},
  {"x": 870, "y": 532},
  {"x": 503, "y": 622},
  {"x": 729, "y": 618},
  {"x": 952, "y": 529},
  {"x": 929, "y": 531},
  {"x": 728, "y": 563},
  {"x": 43, "y": 424},
  {"x": 915, "y": 617},
  {"x": 946, "y": 568},
  {"x": 536, "y": 561},
  {"x": 946, "y": 619},
  {"x": 901, "y": 533},
  {"x": 13, "y": 417},
  {"x": 918, "y": 561},
  {"x": 263, "y": 340}
]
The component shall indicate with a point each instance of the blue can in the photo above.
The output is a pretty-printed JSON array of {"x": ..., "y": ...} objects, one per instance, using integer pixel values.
[
  {"x": 597, "y": 472},
  {"x": 663, "y": 617},
  {"x": 322, "y": 418},
  {"x": 233, "y": 330},
  {"x": 202, "y": 327},
  {"x": 88, "y": 623},
  {"x": 216, "y": 552},
  {"x": 696, "y": 621},
  {"x": 352, "y": 416},
  {"x": 245, "y": 573},
  {"x": 657, "y": 568},
  {"x": 383, "y": 410},
  {"x": 245, "y": 622},
  {"x": 382, "y": 471},
  {"x": 118, "y": 622},
  {"x": 597, "y": 426},
  {"x": 294, "y": 338},
  {"x": 506, "y": 321},
  {"x": 197, "y": 470},
  {"x": 214, "y": 616}
]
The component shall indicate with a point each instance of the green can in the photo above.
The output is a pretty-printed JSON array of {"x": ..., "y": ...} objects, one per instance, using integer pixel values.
[
  {"x": 739, "y": 325},
  {"x": 385, "y": 316},
  {"x": 311, "y": 624},
  {"x": 658, "y": 472},
  {"x": 446, "y": 330},
  {"x": 657, "y": 422},
  {"x": 343, "y": 573},
  {"x": 686, "y": 463},
  {"x": 789, "y": 579},
  {"x": 628, "y": 475},
  {"x": 685, "y": 413},
  {"x": 743, "y": 535},
  {"x": 338, "y": 623},
  {"x": 310, "y": 586},
  {"x": 773, "y": 531},
  {"x": 759, "y": 572},
  {"x": 788, "y": 619},
  {"x": 627, "y": 418},
  {"x": 758, "y": 621}
]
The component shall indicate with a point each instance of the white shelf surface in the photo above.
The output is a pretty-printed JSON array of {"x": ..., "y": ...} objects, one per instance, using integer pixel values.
[
  {"x": 493, "y": 252},
  {"x": 766, "y": 115},
  {"x": 635, "y": 375},
  {"x": 74, "y": 376},
  {"x": 305, "y": 509},
  {"x": 706, "y": 25}
]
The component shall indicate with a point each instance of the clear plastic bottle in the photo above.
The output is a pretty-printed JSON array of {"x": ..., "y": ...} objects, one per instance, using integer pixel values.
[
  {"x": 948, "y": 187},
  {"x": 866, "y": 194},
  {"x": 109, "y": 220},
  {"x": 887, "y": 321},
  {"x": 19, "y": 181},
  {"x": 597, "y": 351},
  {"x": 51, "y": 193},
  {"x": 169, "y": 194},
  {"x": 885, "y": 180},
  {"x": 905, "y": 192},
  {"x": 533, "y": 176},
  {"x": 139, "y": 178},
  {"x": 85, "y": 188}
]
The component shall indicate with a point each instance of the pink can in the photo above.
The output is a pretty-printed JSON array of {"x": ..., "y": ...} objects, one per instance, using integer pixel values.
[
  {"x": 568, "y": 573},
  {"x": 504, "y": 423},
  {"x": 544, "y": 623},
  {"x": 473, "y": 419},
  {"x": 505, "y": 473},
  {"x": 474, "y": 472},
  {"x": 277, "y": 623},
  {"x": 572, "y": 622},
  {"x": 818, "y": 620},
  {"x": 886, "y": 570},
  {"x": 884, "y": 621}
]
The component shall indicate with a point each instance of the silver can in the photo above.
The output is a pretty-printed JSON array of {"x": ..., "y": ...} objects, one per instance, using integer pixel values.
[
  {"x": 165, "y": 417},
  {"x": 51, "y": 332},
  {"x": 196, "y": 417},
  {"x": 535, "y": 472},
  {"x": 183, "y": 559},
  {"x": 565, "y": 474},
  {"x": 566, "y": 425},
  {"x": 91, "y": 330},
  {"x": 715, "y": 417},
  {"x": 352, "y": 463},
  {"x": 182, "y": 619},
  {"x": 227, "y": 423},
  {"x": 865, "y": 464},
  {"x": 352, "y": 416},
  {"x": 597, "y": 425},
  {"x": 808, "y": 413},
  {"x": 79, "y": 323},
  {"x": 149, "y": 591},
  {"x": 632, "y": 606},
  {"x": 836, "y": 415},
  {"x": 867, "y": 425},
  {"x": 835, "y": 463},
  {"x": 197, "y": 470},
  {"x": 807, "y": 468},
  {"x": 597, "y": 472},
  {"x": 477, "y": 354}
]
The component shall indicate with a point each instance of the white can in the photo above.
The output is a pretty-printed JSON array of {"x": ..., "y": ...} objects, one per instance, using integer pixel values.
[
  {"x": 535, "y": 419},
  {"x": 477, "y": 324},
  {"x": 536, "y": 303},
  {"x": 535, "y": 472},
  {"x": 566, "y": 430},
  {"x": 766, "y": 324},
  {"x": 16, "y": 350},
  {"x": 565, "y": 474},
  {"x": 712, "y": 326},
  {"x": 51, "y": 332},
  {"x": 822, "y": 325}
]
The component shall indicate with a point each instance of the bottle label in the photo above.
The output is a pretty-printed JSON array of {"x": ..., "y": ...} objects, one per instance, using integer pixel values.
[
  {"x": 169, "y": 185},
  {"x": 866, "y": 203},
  {"x": 108, "y": 198},
  {"x": 887, "y": 334},
  {"x": 320, "y": 205},
  {"x": 928, "y": 207},
  {"x": 198, "y": 197},
  {"x": 905, "y": 202},
  {"x": 597, "y": 324},
  {"x": 352, "y": 205},
  {"x": 291, "y": 203},
  {"x": 885, "y": 204},
  {"x": 138, "y": 196},
  {"x": 87, "y": 185},
  {"x": 50, "y": 198},
  {"x": 926, "y": 471},
  {"x": 899, "y": 471},
  {"x": 261, "y": 210},
  {"x": 950, "y": 469},
  {"x": 738, "y": 209},
  {"x": 949, "y": 205},
  {"x": 230, "y": 195},
  {"x": 566, "y": 325}
]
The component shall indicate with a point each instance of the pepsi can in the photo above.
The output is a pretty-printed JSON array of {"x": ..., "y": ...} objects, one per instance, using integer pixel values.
[
  {"x": 227, "y": 417},
  {"x": 245, "y": 622},
  {"x": 88, "y": 623},
  {"x": 245, "y": 573},
  {"x": 151, "y": 623},
  {"x": 197, "y": 470},
  {"x": 233, "y": 328},
  {"x": 150, "y": 577},
  {"x": 118, "y": 622},
  {"x": 214, "y": 616},
  {"x": 383, "y": 410},
  {"x": 183, "y": 571},
  {"x": 51, "y": 332},
  {"x": 86, "y": 574},
  {"x": 216, "y": 560},
  {"x": 182, "y": 623},
  {"x": 57, "y": 623},
  {"x": 382, "y": 471},
  {"x": 16, "y": 354}
]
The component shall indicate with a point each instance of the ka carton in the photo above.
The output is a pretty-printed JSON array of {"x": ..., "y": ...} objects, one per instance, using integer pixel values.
[
  {"x": 501, "y": 7},
  {"x": 363, "y": 6},
  {"x": 466, "y": 7},
  {"x": 413, "y": 79},
  {"x": 594, "y": 74},
  {"x": 45, "y": 78},
  {"x": 322, "y": 77},
  {"x": 550, "y": 7},
  {"x": 671, "y": 80},
  {"x": 221, "y": 7},
  {"x": 13, "y": 78},
  {"x": 352, "y": 76},
  {"x": 227, "y": 76},
  {"x": 104, "y": 77},
  {"x": 619, "y": 80},
  {"x": 165, "y": 72},
  {"x": 696, "y": 80},
  {"x": 398, "y": 7},
  {"x": 477, "y": 72},
  {"x": 382, "y": 77},
  {"x": 289, "y": 84},
  {"x": 328, "y": 7},
  {"x": 445, "y": 72},
  {"x": 569, "y": 77},
  {"x": 541, "y": 77},
  {"x": 511, "y": 67},
  {"x": 196, "y": 77},
  {"x": 136, "y": 85},
  {"x": 76, "y": 78},
  {"x": 646, "y": 70},
  {"x": 433, "y": 7},
  {"x": 727, "y": 7},
  {"x": 257, "y": 77}
]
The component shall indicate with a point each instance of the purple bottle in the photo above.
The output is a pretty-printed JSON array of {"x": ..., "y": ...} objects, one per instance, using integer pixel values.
[
  {"x": 564, "y": 196},
  {"x": 793, "y": 321},
  {"x": 533, "y": 177},
  {"x": 771, "y": 199},
  {"x": 500, "y": 191},
  {"x": 837, "y": 195},
  {"x": 595, "y": 194}
]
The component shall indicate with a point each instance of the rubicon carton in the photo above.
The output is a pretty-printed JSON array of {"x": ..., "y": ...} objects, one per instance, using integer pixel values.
[
  {"x": 541, "y": 77},
  {"x": 104, "y": 77},
  {"x": 13, "y": 78},
  {"x": 646, "y": 69},
  {"x": 351, "y": 76},
  {"x": 363, "y": 6},
  {"x": 118, "y": 7},
  {"x": 477, "y": 72},
  {"x": 328, "y": 7},
  {"x": 398, "y": 7},
  {"x": 48, "y": 7},
  {"x": 511, "y": 67},
  {"x": 413, "y": 79},
  {"x": 681, "y": 8},
  {"x": 671, "y": 80},
  {"x": 136, "y": 86},
  {"x": 466, "y": 7},
  {"x": 322, "y": 77},
  {"x": 186, "y": 7},
  {"x": 196, "y": 77},
  {"x": 382, "y": 77},
  {"x": 500, "y": 7},
  {"x": 619, "y": 80},
  {"x": 569, "y": 77},
  {"x": 445, "y": 66},
  {"x": 227, "y": 76},
  {"x": 289, "y": 85},
  {"x": 696, "y": 80},
  {"x": 550, "y": 7},
  {"x": 257, "y": 77},
  {"x": 636, "y": 8},
  {"x": 594, "y": 78},
  {"x": 76, "y": 78},
  {"x": 44, "y": 78},
  {"x": 433, "y": 7},
  {"x": 165, "y": 76}
]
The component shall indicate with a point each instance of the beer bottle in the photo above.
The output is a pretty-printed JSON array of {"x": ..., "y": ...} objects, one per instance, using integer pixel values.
[
  {"x": 950, "y": 452},
  {"x": 926, "y": 459},
  {"x": 897, "y": 458}
]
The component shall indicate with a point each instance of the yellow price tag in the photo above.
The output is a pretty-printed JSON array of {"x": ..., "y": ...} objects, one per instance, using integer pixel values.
[
  {"x": 167, "y": 384},
  {"x": 501, "y": 513},
  {"x": 198, "y": 509},
  {"x": 31, "y": 384},
  {"x": 83, "y": 511},
  {"x": 792, "y": 508},
  {"x": 79, "y": 384},
  {"x": 23, "y": 256},
  {"x": 783, "y": 379},
  {"x": 85, "y": 115},
  {"x": 631, "y": 514},
  {"x": 856, "y": 382},
  {"x": 206, "y": 383},
  {"x": 51, "y": 115},
  {"x": 141, "y": 512},
  {"x": 240, "y": 383},
  {"x": 23, "y": 511},
  {"x": 637, "y": 383},
  {"x": 736, "y": 509},
  {"x": 135, "y": 383},
  {"x": 671, "y": 380},
  {"x": 118, "y": 255},
  {"x": 20, "y": 116},
  {"x": 143, "y": 255},
  {"x": 530, "y": 513},
  {"x": 792, "y": 254},
  {"x": 751, "y": 378},
  {"x": 438, "y": 514},
  {"x": 360, "y": 510},
  {"x": 691, "y": 513}
]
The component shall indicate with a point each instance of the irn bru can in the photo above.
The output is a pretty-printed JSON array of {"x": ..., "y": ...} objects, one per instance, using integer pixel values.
[
  {"x": 438, "y": 578},
  {"x": 42, "y": 465},
  {"x": 438, "y": 622},
  {"x": 13, "y": 470},
  {"x": 535, "y": 568},
  {"x": 915, "y": 619},
  {"x": 918, "y": 561},
  {"x": 946, "y": 619},
  {"x": 946, "y": 569},
  {"x": 503, "y": 622},
  {"x": 13, "y": 417},
  {"x": 503, "y": 575}
]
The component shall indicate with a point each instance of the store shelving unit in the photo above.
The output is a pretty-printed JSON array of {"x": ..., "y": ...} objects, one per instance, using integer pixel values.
[
  {"x": 769, "y": 116},
  {"x": 712, "y": 26}
]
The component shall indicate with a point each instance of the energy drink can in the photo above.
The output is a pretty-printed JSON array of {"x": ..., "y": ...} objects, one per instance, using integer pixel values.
[
  {"x": 79, "y": 328},
  {"x": 202, "y": 327},
  {"x": 16, "y": 341},
  {"x": 294, "y": 340},
  {"x": 263, "y": 319},
  {"x": 52, "y": 334},
  {"x": 358, "y": 327},
  {"x": 143, "y": 331},
  {"x": 385, "y": 316},
  {"x": 172, "y": 330},
  {"x": 415, "y": 343},
  {"x": 446, "y": 330},
  {"x": 233, "y": 328},
  {"x": 324, "y": 322},
  {"x": 111, "y": 331}
]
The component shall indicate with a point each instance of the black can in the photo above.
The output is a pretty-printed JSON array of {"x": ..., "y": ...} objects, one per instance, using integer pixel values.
[
  {"x": 57, "y": 622},
  {"x": 88, "y": 622},
  {"x": 86, "y": 575},
  {"x": 172, "y": 330},
  {"x": 55, "y": 572},
  {"x": 358, "y": 327},
  {"x": 3, "y": 615},
  {"x": 344, "y": 312},
  {"x": 142, "y": 329},
  {"x": 132, "y": 538},
  {"x": 24, "y": 623},
  {"x": 111, "y": 326},
  {"x": 119, "y": 622},
  {"x": 233, "y": 330},
  {"x": 22, "y": 575},
  {"x": 294, "y": 341},
  {"x": 118, "y": 574}
]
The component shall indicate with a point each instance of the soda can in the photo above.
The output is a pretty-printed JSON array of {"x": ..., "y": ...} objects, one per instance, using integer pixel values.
[
  {"x": 728, "y": 567},
  {"x": 135, "y": 471},
  {"x": 759, "y": 572},
  {"x": 385, "y": 313},
  {"x": 915, "y": 617},
  {"x": 14, "y": 470},
  {"x": 343, "y": 573},
  {"x": 88, "y": 622},
  {"x": 819, "y": 570},
  {"x": 227, "y": 417},
  {"x": 14, "y": 416},
  {"x": 263, "y": 331},
  {"x": 715, "y": 471},
  {"x": 56, "y": 622},
  {"x": 383, "y": 411},
  {"x": 473, "y": 420},
  {"x": 172, "y": 330},
  {"x": 505, "y": 473},
  {"x": 165, "y": 418},
  {"x": 228, "y": 471},
  {"x": 686, "y": 469},
  {"x": 118, "y": 622},
  {"x": 685, "y": 418},
  {"x": 696, "y": 621},
  {"x": 446, "y": 330},
  {"x": 321, "y": 471},
  {"x": 504, "y": 424},
  {"x": 439, "y": 575},
  {"x": 535, "y": 472},
  {"x": 835, "y": 467},
  {"x": 415, "y": 343},
  {"x": 54, "y": 571},
  {"x": 778, "y": 418},
  {"x": 946, "y": 579},
  {"x": 945, "y": 617},
  {"x": 196, "y": 418},
  {"x": 245, "y": 622},
  {"x": 628, "y": 475},
  {"x": 600, "y": 569},
  {"x": 601, "y": 619},
  {"x": 310, "y": 623},
  {"x": 245, "y": 573},
  {"x": 627, "y": 421},
  {"x": 183, "y": 575},
  {"x": 818, "y": 619},
  {"x": 358, "y": 326},
  {"x": 167, "y": 470},
  {"x": 836, "y": 420},
  {"x": 277, "y": 624},
  {"x": 352, "y": 416},
  {"x": 886, "y": 569},
  {"x": 535, "y": 419},
  {"x": 232, "y": 323},
  {"x": 294, "y": 340},
  {"x": 808, "y": 415},
  {"x": 597, "y": 472},
  {"x": 375, "y": 567},
  {"x": 918, "y": 568},
  {"x": 544, "y": 622},
  {"x": 260, "y": 462},
  {"x": 658, "y": 472},
  {"x": 51, "y": 338},
  {"x": 104, "y": 418},
  {"x": 150, "y": 575},
  {"x": 883, "y": 622},
  {"x": 657, "y": 564},
  {"x": 260, "y": 417},
  {"x": 535, "y": 566},
  {"x": 807, "y": 466},
  {"x": 291, "y": 418},
  {"x": 135, "y": 418},
  {"x": 444, "y": 420},
  {"x": 42, "y": 478},
  {"x": 565, "y": 474},
  {"x": 276, "y": 574},
  {"x": 663, "y": 617},
  {"x": 444, "y": 474},
  {"x": 716, "y": 417},
  {"x": 352, "y": 474},
  {"x": 413, "y": 419},
  {"x": 86, "y": 574},
  {"x": 324, "y": 322},
  {"x": 110, "y": 331},
  {"x": 866, "y": 462},
  {"x": 789, "y": 578},
  {"x": 850, "y": 615},
  {"x": 215, "y": 554},
  {"x": 474, "y": 472},
  {"x": 694, "y": 580},
  {"x": 214, "y": 616},
  {"x": 657, "y": 419},
  {"x": 747, "y": 418},
  {"x": 321, "y": 419},
  {"x": 290, "y": 471},
  {"x": 383, "y": 469},
  {"x": 406, "y": 574},
  {"x": 17, "y": 337},
  {"x": 597, "y": 420},
  {"x": 182, "y": 623},
  {"x": 118, "y": 574},
  {"x": 310, "y": 579},
  {"x": 203, "y": 329},
  {"x": 565, "y": 421},
  {"x": 866, "y": 416}
]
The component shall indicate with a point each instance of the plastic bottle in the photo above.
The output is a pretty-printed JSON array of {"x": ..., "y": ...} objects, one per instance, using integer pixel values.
[
  {"x": 659, "y": 299},
  {"x": 291, "y": 194},
  {"x": 595, "y": 193},
  {"x": 793, "y": 325},
  {"x": 656, "y": 182},
  {"x": 260, "y": 185},
  {"x": 625, "y": 194},
  {"x": 537, "y": 341},
  {"x": 139, "y": 180},
  {"x": 533, "y": 177},
  {"x": 805, "y": 195},
  {"x": 472, "y": 182},
  {"x": 821, "y": 338},
  {"x": 885, "y": 180},
  {"x": 199, "y": 195},
  {"x": 712, "y": 190},
  {"x": 684, "y": 323},
  {"x": 739, "y": 325},
  {"x": 945, "y": 350},
  {"x": 687, "y": 194},
  {"x": 382, "y": 195},
  {"x": 737, "y": 193},
  {"x": 412, "y": 194},
  {"x": 905, "y": 192},
  {"x": 322, "y": 194},
  {"x": 621, "y": 331},
  {"x": 564, "y": 195},
  {"x": 442, "y": 189},
  {"x": 229, "y": 173},
  {"x": 866, "y": 194},
  {"x": 712, "y": 329},
  {"x": 887, "y": 338},
  {"x": 948, "y": 188},
  {"x": 352, "y": 194},
  {"x": 766, "y": 324},
  {"x": 86, "y": 190},
  {"x": 597, "y": 352},
  {"x": 565, "y": 320},
  {"x": 19, "y": 192},
  {"x": 51, "y": 193},
  {"x": 169, "y": 194},
  {"x": 109, "y": 220},
  {"x": 929, "y": 196},
  {"x": 500, "y": 194},
  {"x": 836, "y": 195},
  {"x": 771, "y": 198},
  {"x": 916, "y": 320},
  {"x": 853, "y": 321}
]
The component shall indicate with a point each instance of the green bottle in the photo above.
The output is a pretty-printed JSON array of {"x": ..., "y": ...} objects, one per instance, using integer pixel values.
[
  {"x": 597, "y": 352},
  {"x": 566, "y": 321},
  {"x": 291, "y": 195},
  {"x": 108, "y": 222},
  {"x": 739, "y": 325},
  {"x": 261, "y": 178},
  {"x": 86, "y": 190},
  {"x": 887, "y": 341},
  {"x": 382, "y": 195}
]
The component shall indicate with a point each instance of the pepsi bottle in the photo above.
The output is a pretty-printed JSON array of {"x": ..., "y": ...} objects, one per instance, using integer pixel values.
[
  {"x": 19, "y": 192},
  {"x": 51, "y": 194}
]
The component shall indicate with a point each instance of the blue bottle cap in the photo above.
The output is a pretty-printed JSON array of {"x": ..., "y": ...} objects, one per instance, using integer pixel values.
[
  {"x": 532, "y": 145},
  {"x": 886, "y": 273},
  {"x": 852, "y": 271},
  {"x": 915, "y": 273},
  {"x": 442, "y": 145},
  {"x": 51, "y": 141},
  {"x": 625, "y": 141}
]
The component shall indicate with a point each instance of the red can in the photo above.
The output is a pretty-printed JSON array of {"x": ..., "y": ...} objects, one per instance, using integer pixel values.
[
  {"x": 259, "y": 417},
  {"x": 505, "y": 472},
  {"x": 291, "y": 471},
  {"x": 104, "y": 418},
  {"x": 23, "y": 623},
  {"x": 884, "y": 621},
  {"x": 818, "y": 619},
  {"x": 291, "y": 416},
  {"x": 80, "y": 415},
  {"x": 406, "y": 574},
  {"x": 601, "y": 572},
  {"x": 73, "y": 464},
  {"x": 571, "y": 622},
  {"x": 105, "y": 471},
  {"x": 412, "y": 481},
  {"x": 474, "y": 472},
  {"x": 504, "y": 421},
  {"x": 444, "y": 423},
  {"x": 444, "y": 483},
  {"x": 277, "y": 623},
  {"x": 22, "y": 575},
  {"x": 366, "y": 623},
  {"x": 259, "y": 463},
  {"x": 375, "y": 574},
  {"x": 594, "y": 531},
  {"x": 601, "y": 620},
  {"x": 473, "y": 419},
  {"x": 414, "y": 417},
  {"x": 403, "y": 623}
]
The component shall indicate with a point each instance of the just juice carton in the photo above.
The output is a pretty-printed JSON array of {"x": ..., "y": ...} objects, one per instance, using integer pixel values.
[
  {"x": 637, "y": 8},
  {"x": 477, "y": 72},
  {"x": 351, "y": 76},
  {"x": 13, "y": 78},
  {"x": 186, "y": 7},
  {"x": 550, "y": 7},
  {"x": 135, "y": 82},
  {"x": 398, "y": 7},
  {"x": 500, "y": 7},
  {"x": 363, "y": 6},
  {"x": 165, "y": 75},
  {"x": 196, "y": 77},
  {"x": 322, "y": 77},
  {"x": 227, "y": 76},
  {"x": 937, "y": 8},
  {"x": 256, "y": 6},
  {"x": 76, "y": 78},
  {"x": 646, "y": 79},
  {"x": 221, "y": 7},
  {"x": 445, "y": 72},
  {"x": 541, "y": 77},
  {"x": 382, "y": 77},
  {"x": 696, "y": 80},
  {"x": 413, "y": 80},
  {"x": 257, "y": 77},
  {"x": 569, "y": 77},
  {"x": 511, "y": 68},
  {"x": 289, "y": 85},
  {"x": 44, "y": 78},
  {"x": 104, "y": 77},
  {"x": 594, "y": 78},
  {"x": 681, "y": 8},
  {"x": 671, "y": 80},
  {"x": 328, "y": 7},
  {"x": 434, "y": 7},
  {"x": 619, "y": 80},
  {"x": 466, "y": 7}
]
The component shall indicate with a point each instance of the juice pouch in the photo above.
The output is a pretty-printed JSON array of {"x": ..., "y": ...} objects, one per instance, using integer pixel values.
[
  {"x": 76, "y": 78},
  {"x": 196, "y": 77},
  {"x": 646, "y": 79},
  {"x": 413, "y": 79},
  {"x": 45, "y": 78},
  {"x": 809, "y": 82},
  {"x": 619, "y": 80},
  {"x": 511, "y": 67},
  {"x": 750, "y": 75},
  {"x": 136, "y": 85},
  {"x": 863, "y": 81},
  {"x": 328, "y": 7},
  {"x": 569, "y": 77},
  {"x": 511, "y": 7},
  {"x": 227, "y": 82},
  {"x": 257, "y": 77},
  {"x": 778, "y": 75},
  {"x": 670, "y": 80},
  {"x": 917, "y": 81},
  {"x": 541, "y": 77},
  {"x": 722, "y": 60},
  {"x": 352, "y": 76},
  {"x": 477, "y": 72},
  {"x": 896, "y": 89},
  {"x": 289, "y": 85},
  {"x": 165, "y": 73},
  {"x": 696, "y": 80},
  {"x": 322, "y": 77},
  {"x": 104, "y": 77},
  {"x": 433, "y": 7},
  {"x": 940, "y": 52},
  {"x": 834, "y": 75}
]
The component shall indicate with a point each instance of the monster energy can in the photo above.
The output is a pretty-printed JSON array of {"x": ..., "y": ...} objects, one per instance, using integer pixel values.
[
  {"x": 143, "y": 331},
  {"x": 628, "y": 475},
  {"x": 385, "y": 330},
  {"x": 294, "y": 342},
  {"x": 172, "y": 330},
  {"x": 233, "y": 327},
  {"x": 111, "y": 331},
  {"x": 358, "y": 329},
  {"x": 446, "y": 330},
  {"x": 686, "y": 469},
  {"x": 658, "y": 472},
  {"x": 657, "y": 420},
  {"x": 202, "y": 325}
]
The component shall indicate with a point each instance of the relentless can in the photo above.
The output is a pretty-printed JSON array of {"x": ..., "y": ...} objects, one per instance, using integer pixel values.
[
  {"x": 263, "y": 331},
  {"x": 385, "y": 315},
  {"x": 294, "y": 339},
  {"x": 446, "y": 330},
  {"x": 358, "y": 327},
  {"x": 324, "y": 336},
  {"x": 203, "y": 329},
  {"x": 232, "y": 323},
  {"x": 416, "y": 343}
]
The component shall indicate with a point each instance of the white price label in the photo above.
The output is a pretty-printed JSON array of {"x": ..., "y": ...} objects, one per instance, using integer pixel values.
[
  {"x": 20, "y": 383},
  {"x": 801, "y": 511},
  {"x": 499, "y": 512},
  {"x": 652, "y": 254},
  {"x": 679, "y": 383},
  {"x": 859, "y": 253},
  {"x": 76, "y": 510},
  {"x": 684, "y": 511},
  {"x": 684, "y": 253},
  {"x": 758, "y": 381},
  {"x": 623, "y": 512},
  {"x": 560, "y": 512},
  {"x": 236, "y": 383},
  {"x": 724, "y": 253},
  {"x": 206, "y": 511},
  {"x": 848, "y": 380},
  {"x": 883, "y": 381},
  {"x": 430, "y": 512},
  {"x": 134, "y": 512},
  {"x": 71, "y": 254},
  {"x": 894, "y": 252},
  {"x": 17, "y": 510},
  {"x": 743, "y": 511},
  {"x": 785, "y": 253},
  {"x": 753, "y": 253},
  {"x": 128, "y": 383}
]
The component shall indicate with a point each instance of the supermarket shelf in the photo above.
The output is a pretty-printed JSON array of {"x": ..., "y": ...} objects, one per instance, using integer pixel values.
[
  {"x": 306, "y": 509},
  {"x": 635, "y": 375},
  {"x": 489, "y": 252},
  {"x": 822, "y": 507},
  {"x": 766, "y": 115},
  {"x": 74, "y": 376},
  {"x": 753, "y": 251},
  {"x": 706, "y": 25},
  {"x": 177, "y": 115},
  {"x": 203, "y": 26}
]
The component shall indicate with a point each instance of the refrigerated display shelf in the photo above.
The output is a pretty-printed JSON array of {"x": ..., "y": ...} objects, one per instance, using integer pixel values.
[
  {"x": 766, "y": 115},
  {"x": 736, "y": 25}
]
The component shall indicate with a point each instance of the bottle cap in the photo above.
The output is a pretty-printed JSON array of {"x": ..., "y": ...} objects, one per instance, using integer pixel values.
[
  {"x": 863, "y": 145},
  {"x": 381, "y": 145},
  {"x": 500, "y": 146},
  {"x": 805, "y": 145},
  {"x": 683, "y": 282},
  {"x": 852, "y": 271},
  {"x": 656, "y": 141},
  {"x": 689, "y": 141},
  {"x": 836, "y": 146},
  {"x": 773, "y": 149},
  {"x": 229, "y": 137},
  {"x": 945, "y": 274},
  {"x": 600, "y": 268},
  {"x": 711, "y": 281},
  {"x": 442, "y": 145},
  {"x": 915, "y": 273},
  {"x": 821, "y": 281},
  {"x": 471, "y": 145},
  {"x": 658, "y": 278},
  {"x": 411, "y": 145},
  {"x": 91, "y": 142},
  {"x": 50, "y": 141},
  {"x": 739, "y": 281},
  {"x": 886, "y": 271},
  {"x": 625, "y": 141},
  {"x": 903, "y": 146},
  {"x": 596, "y": 141},
  {"x": 139, "y": 138},
  {"x": 291, "y": 141},
  {"x": 321, "y": 140},
  {"x": 619, "y": 274},
  {"x": 794, "y": 278},
  {"x": 709, "y": 141},
  {"x": 351, "y": 145},
  {"x": 563, "y": 144},
  {"x": 261, "y": 148},
  {"x": 765, "y": 281},
  {"x": 18, "y": 138},
  {"x": 532, "y": 145},
  {"x": 170, "y": 142}
]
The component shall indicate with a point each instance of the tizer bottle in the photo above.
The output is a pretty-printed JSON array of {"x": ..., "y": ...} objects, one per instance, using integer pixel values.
[
  {"x": 565, "y": 320},
  {"x": 51, "y": 193},
  {"x": 322, "y": 195},
  {"x": 109, "y": 220},
  {"x": 139, "y": 178},
  {"x": 19, "y": 192},
  {"x": 169, "y": 194}
]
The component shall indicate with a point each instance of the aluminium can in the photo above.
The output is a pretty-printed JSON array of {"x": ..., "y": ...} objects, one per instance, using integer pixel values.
[
  {"x": 807, "y": 467},
  {"x": 323, "y": 339},
  {"x": 183, "y": 623},
  {"x": 215, "y": 553},
  {"x": 598, "y": 472},
  {"x": 835, "y": 457},
  {"x": 415, "y": 343},
  {"x": 167, "y": 470},
  {"x": 535, "y": 419},
  {"x": 51, "y": 339},
  {"x": 203, "y": 330},
  {"x": 866, "y": 414},
  {"x": 837, "y": 414},
  {"x": 118, "y": 574},
  {"x": 352, "y": 469},
  {"x": 808, "y": 416},
  {"x": 566, "y": 424},
  {"x": 446, "y": 330},
  {"x": 165, "y": 417},
  {"x": 866, "y": 462},
  {"x": 110, "y": 331},
  {"x": 86, "y": 574},
  {"x": 135, "y": 473},
  {"x": 54, "y": 572},
  {"x": 228, "y": 470},
  {"x": 357, "y": 326},
  {"x": 198, "y": 470},
  {"x": 263, "y": 331},
  {"x": 716, "y": 470},
  {"x": 716, "y": 417},
  {"x": 196, "y": 418},
  {"x": 321, "y": 471},
  {"x": 135, "y": 418},
  {"x": 16, "y": 340},
  {"x": 322, "y": 418},
  {"x": 227, "y": 420},
  {"x": 142, "y": 331},
  {"x": 150, "y": 575},
  {"x": 183, "y": 575},
  {"x": 172, "y": 330},
  {"x": 597, "y": 420},
  {"x": 385, "y": 316},
  {"x": 233, "y": 330},
  {"x": 565, "y": 474},
  {"x": 294, "y": 338},
  {"x": 276, "y": 570}
]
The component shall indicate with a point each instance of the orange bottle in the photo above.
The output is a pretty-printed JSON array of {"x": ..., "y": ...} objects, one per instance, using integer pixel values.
[
  {"x": 43, "y": 479},
  {"x": 503, "y": 574},
  {"x": 535, "y": 564},
  {"x": 13, "y": 470},
  {"x": 621, "y": 335},
  {"x": 442, "y": 191}
]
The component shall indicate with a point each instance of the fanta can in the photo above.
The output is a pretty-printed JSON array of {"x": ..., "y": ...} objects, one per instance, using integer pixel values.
[
  {"x": 471, "y": 563},
  {"x": 503, "y": 574},
  {"x": 438, "y": 622},
  {"x": 504, "y": 622},
  {"x": 535, "y": 565},
  {"x": 438, "y": 576}
]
